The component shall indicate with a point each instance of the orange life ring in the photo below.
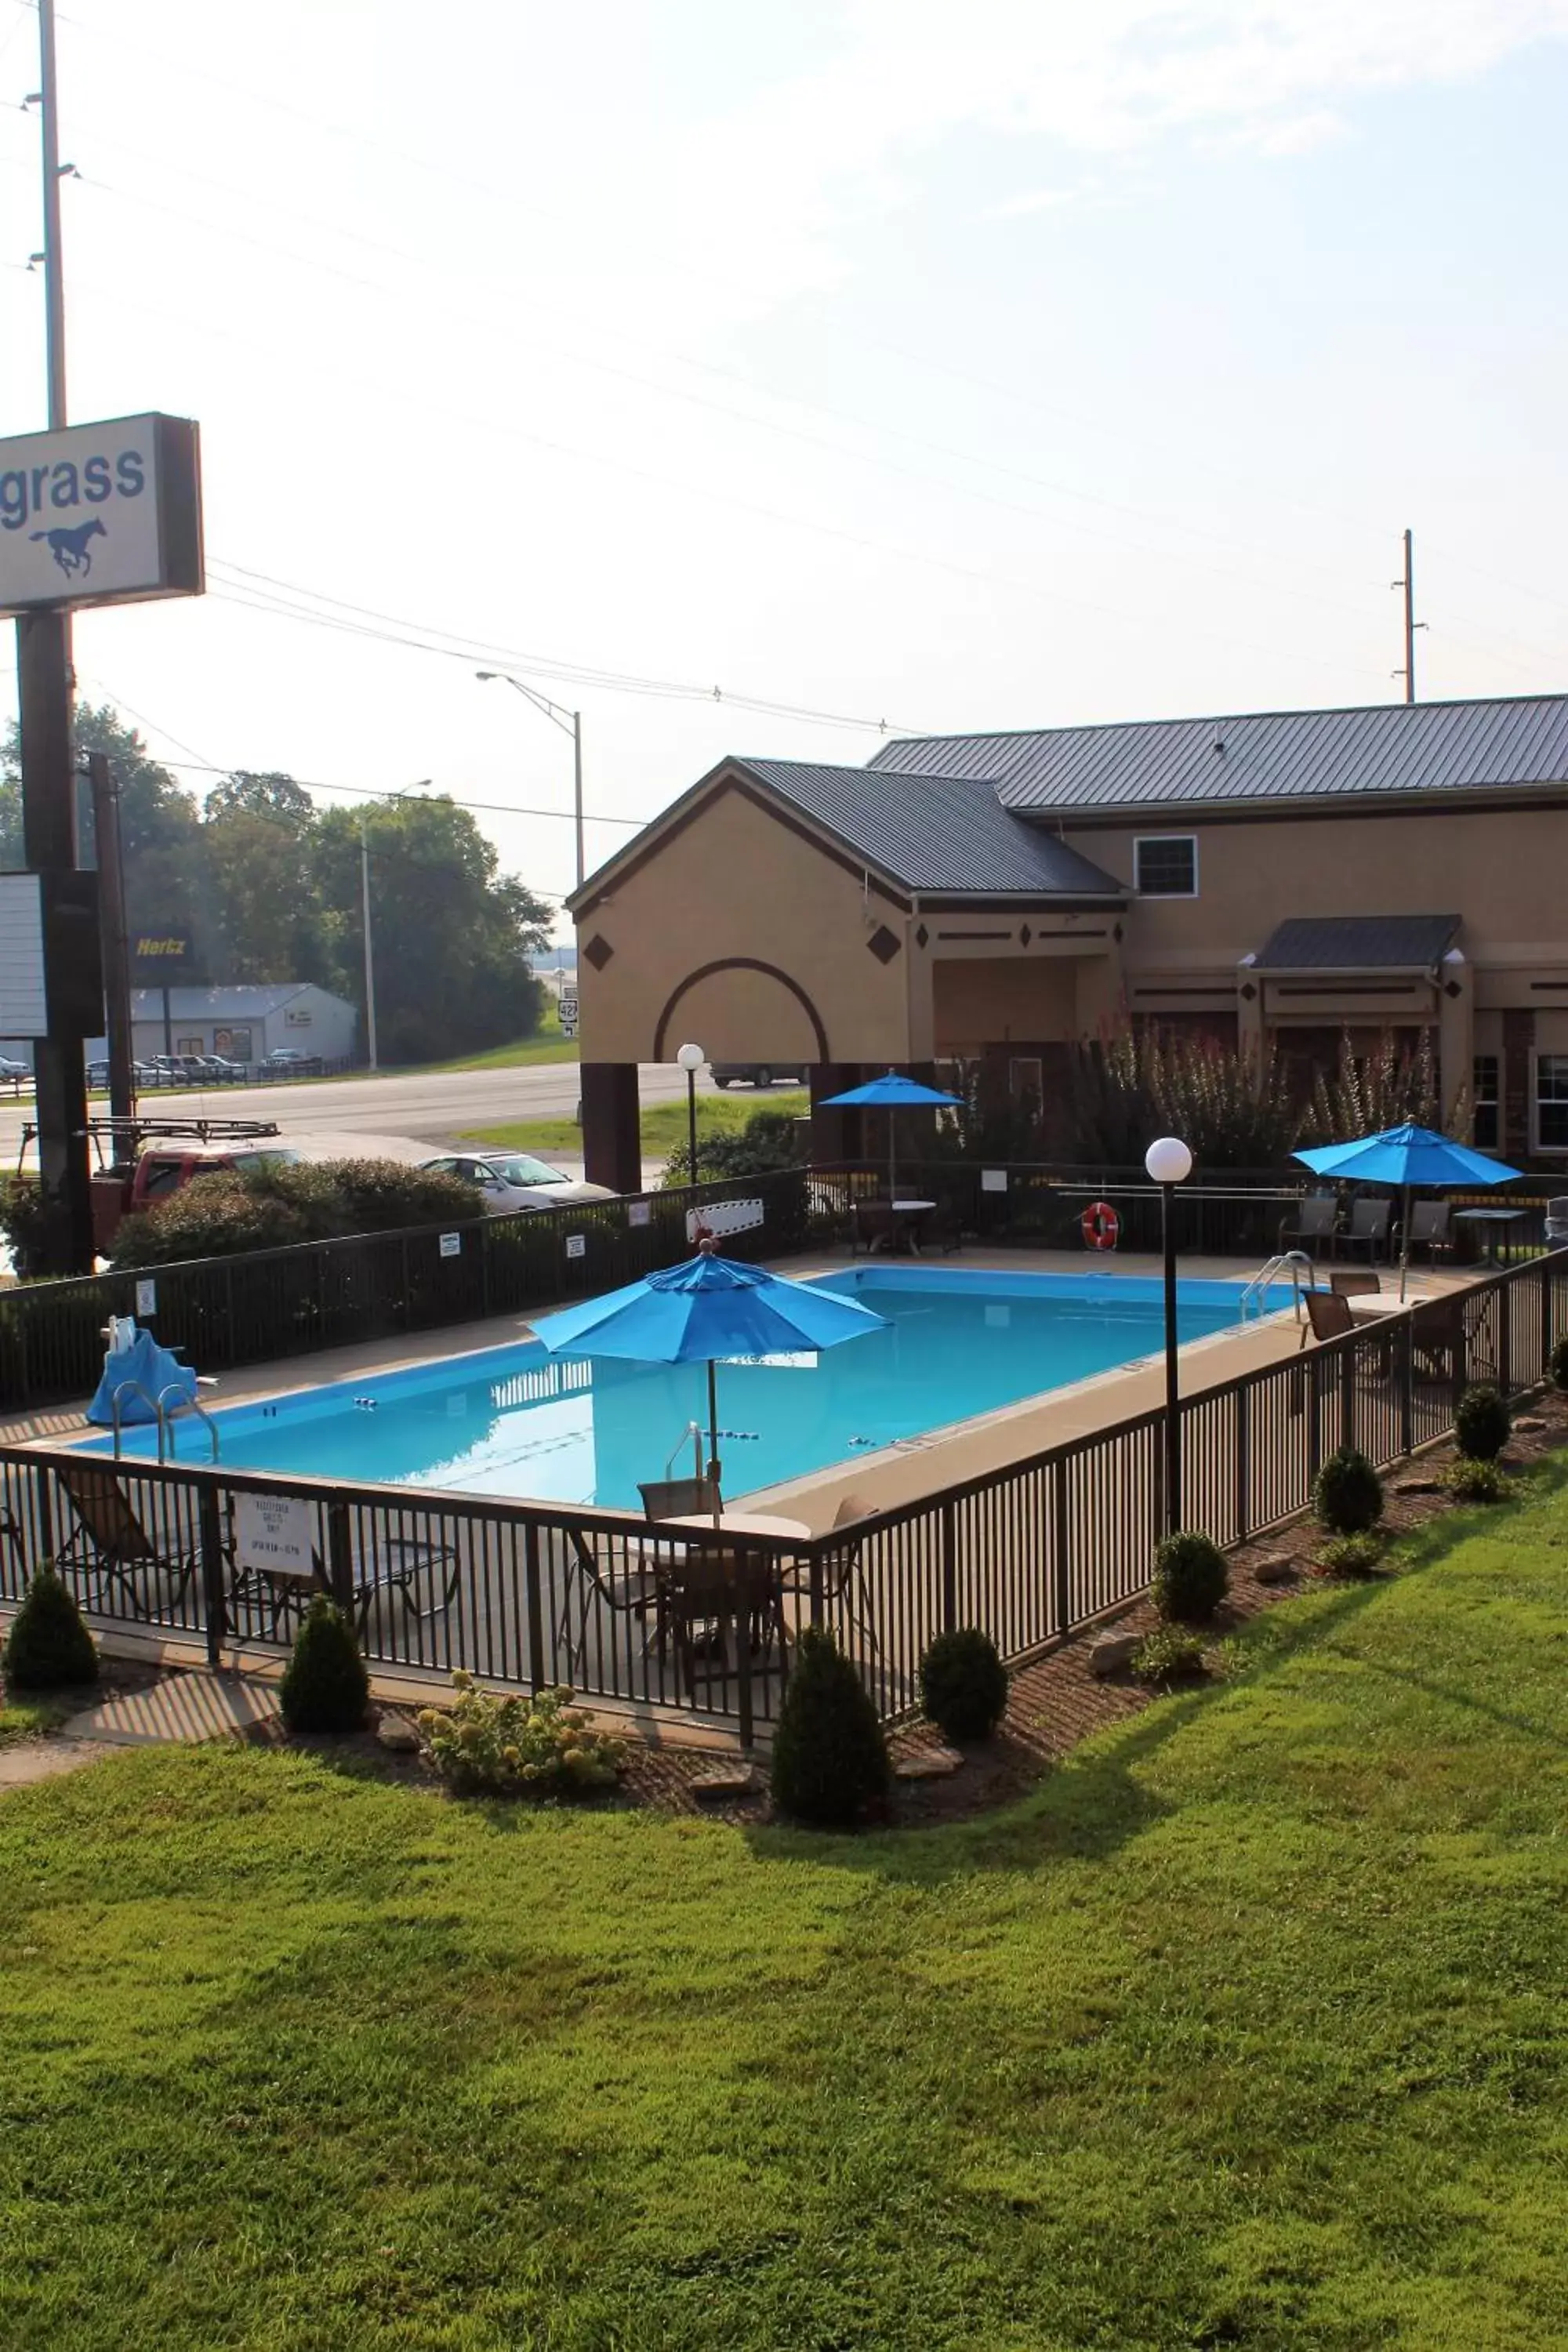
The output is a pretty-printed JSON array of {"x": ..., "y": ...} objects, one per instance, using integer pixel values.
[{"x": 1101, "y": 1226}]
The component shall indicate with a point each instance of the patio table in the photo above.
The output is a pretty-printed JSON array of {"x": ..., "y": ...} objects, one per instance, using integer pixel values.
[{"x": 1492, "y": 1221}]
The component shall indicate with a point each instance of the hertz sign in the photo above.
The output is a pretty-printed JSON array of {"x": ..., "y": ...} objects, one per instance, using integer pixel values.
[{"x": 160, "y": 957}]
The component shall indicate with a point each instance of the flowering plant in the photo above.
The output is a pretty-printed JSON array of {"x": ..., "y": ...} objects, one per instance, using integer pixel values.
[{"x": 511, "y": 1746}]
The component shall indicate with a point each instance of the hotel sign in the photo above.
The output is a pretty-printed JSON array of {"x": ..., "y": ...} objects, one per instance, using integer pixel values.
[{"x": 101, "y": 514}]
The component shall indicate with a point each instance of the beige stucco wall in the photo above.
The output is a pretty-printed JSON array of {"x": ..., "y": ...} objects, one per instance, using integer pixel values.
[
  {"x": 1505, "y": 872},
  {"x": 998, "y": 1001},
  {"x": 736, "y": 882}
]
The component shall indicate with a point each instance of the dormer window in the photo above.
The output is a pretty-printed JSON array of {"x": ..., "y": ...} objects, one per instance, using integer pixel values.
[{"x": 1165, "y": 865}]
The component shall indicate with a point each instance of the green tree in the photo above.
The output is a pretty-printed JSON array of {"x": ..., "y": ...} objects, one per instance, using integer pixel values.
[
  {"x": 256, "y": 833},
  {"x": 452, "y": 933}
]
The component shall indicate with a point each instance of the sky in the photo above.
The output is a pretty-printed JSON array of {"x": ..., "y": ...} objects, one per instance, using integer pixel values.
[{"x": 909, "y": 367}]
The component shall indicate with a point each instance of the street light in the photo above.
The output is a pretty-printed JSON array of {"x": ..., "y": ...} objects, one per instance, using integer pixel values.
[
  {"x": 691, "y": 1058},
  {"x": 570, "y": 723},
  {"x": 1169, "y": 1163}
]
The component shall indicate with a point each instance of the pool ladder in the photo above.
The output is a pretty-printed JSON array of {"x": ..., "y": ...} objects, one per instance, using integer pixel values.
[
  {"x": 1253, "y": 1295},
  {"x": 164, "y": 1406}
]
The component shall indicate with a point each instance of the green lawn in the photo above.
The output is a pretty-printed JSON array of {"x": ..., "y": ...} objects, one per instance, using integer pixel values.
[
  {"x": 549, "y": 1045},
  {"x": 663, "y": 1124},
  {"x": 26, "y": 1719},
  {"x": 1248, "y": 2028}
]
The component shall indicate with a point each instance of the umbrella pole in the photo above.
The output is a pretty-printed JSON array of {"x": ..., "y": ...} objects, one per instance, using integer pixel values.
[
  {"x": 1404, "y": 1248},
  {"x": 713, "y": 1438},
  {"x": 893, "y": 1151}
]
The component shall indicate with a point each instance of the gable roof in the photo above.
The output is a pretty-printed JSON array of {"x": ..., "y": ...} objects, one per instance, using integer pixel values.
[
  {"x": 934, "y": 833},
  {"x": 1288, "y": 755},
  {"x": 1358, "y": 943}
]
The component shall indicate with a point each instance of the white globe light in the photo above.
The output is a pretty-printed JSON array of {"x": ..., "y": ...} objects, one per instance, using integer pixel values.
[
  {"x": 690, "y": 1057},
  {"x": 1168, "y": 1160}
]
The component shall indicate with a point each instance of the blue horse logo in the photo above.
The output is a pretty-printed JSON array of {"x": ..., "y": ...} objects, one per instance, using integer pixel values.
[{"x": 71, "y": 549}]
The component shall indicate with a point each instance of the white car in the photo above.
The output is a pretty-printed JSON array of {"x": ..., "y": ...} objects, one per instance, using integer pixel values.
[
  {"x": 512, "y": 1180},
  {"x": 10, "y": 1069}
]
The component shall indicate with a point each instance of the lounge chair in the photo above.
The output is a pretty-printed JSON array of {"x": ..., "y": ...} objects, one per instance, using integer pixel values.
[
  {"x": 111, "y": 1544},
  {"x": 383, "y": 1565},
  {"x": 1315, "y": 1218},
  {"x": 1430, "y": 1228},
  {"x": 1368, "y": 1228}
]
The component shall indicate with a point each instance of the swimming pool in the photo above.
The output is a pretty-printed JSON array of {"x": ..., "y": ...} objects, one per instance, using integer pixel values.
[{"x": 515, "y": 1421}]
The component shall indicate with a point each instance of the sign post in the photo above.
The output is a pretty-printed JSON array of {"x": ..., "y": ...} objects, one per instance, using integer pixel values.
[{"x": 89, "y": 514}]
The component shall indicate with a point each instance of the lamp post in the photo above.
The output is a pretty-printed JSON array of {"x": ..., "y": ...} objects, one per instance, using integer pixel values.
[
  {"x": 570, "y": 723},
  {"x": 691, "y": 1058},
  {"x": 1169, "y": 1163}
]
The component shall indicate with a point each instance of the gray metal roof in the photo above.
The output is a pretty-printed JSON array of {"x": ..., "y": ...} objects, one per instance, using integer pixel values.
[
  {"x": 1395, "y": 747},
  {"x": 1359, "y": 943},
  {"x": 935, "y": 832}
]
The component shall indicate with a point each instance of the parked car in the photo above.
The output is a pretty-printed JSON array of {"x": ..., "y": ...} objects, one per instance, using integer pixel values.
[
  {"x": 179, "y": 1070},
  {"x": 288, "y": 1062},
  {"x": 511, "y": 1181},
  {"x": 758, "y": 1073},
  {"x": 169, "y": 1167},
  {"x": 217, "y": 1070}
]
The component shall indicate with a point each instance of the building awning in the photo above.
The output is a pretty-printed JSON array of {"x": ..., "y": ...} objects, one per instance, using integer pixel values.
[{"x": 1353, "y": 944}]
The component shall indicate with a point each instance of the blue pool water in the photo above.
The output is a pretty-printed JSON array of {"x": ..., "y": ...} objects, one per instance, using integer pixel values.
[{"x": 515, "y": 1421}]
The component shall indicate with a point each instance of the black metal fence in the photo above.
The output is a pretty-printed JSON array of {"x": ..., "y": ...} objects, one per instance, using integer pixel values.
[
  {"x": 703, "y": 1626},
  {"x": 266, "y": 1305}
]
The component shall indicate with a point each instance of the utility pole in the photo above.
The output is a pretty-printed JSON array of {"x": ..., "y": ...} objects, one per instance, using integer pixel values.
[
  {"x": 1411, "y": 623},
  {"x": 48, "y": 771},
  {"x": 111, "y": 926},
  {"x": 570, "y": 723},
  {"x": 369, "y": 950}
]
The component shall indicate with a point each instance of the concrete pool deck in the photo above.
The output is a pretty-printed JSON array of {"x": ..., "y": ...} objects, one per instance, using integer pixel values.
[{"x": 901, "y": 1474}]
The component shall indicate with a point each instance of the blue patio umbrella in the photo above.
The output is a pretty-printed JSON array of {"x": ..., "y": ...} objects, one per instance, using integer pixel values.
[
  {"x": 702, "y": 1312},
  {"x": 892, "y": 1093},
  {"x": 1405, "y": 1156}
]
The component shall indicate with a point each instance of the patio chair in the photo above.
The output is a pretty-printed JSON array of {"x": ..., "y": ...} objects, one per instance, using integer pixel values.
[
  {"x": 1368, "y": 1228},
  {"x": 1430, "y": 1228},
  {"x": 944, "y": 1229},
  {"x": 841, "y": 1575},
  {"x": 1315, "y": 1218},
  {"x": 872, "y": 1225},
  {"x": 677, "y": 1498},
  {"x": 1557, "y": 1222},
  {"x": 1356, "y": 1282},
  {"x": 706, "y": 1586},
  {"x": 632, "y": 1590},
  {"x": 1329, "y": 1315},
  {"x": 110, "y": 1542}
]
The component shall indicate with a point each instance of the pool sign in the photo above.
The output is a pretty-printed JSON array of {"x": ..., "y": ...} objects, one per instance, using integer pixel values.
[{"x": 101, "y": 514}]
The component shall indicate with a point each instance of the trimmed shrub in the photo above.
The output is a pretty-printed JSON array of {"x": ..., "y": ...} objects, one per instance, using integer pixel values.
[
  {"x": 963, "y": 1683},
  {"x": 1557, "y": 1364},
  {"x": 1470, "y": 1480},
  {"x": 48, "y": 1643},
  {"x": 230, "y": 1212},
  {"x": 30, "y": 1226},
  {"x": 485, "y": 1745},
  {"x": 1190, "y": 1580},
  {"x": 1483, "y": 1424},
  {"x": 1169, "y": 1655},
  {"x": 830, "y": 1759},
  {"x": 1347, "y": 1493},
  {"x": 325, "y": 1685},
  {"x": 1351, "y": 1555}
]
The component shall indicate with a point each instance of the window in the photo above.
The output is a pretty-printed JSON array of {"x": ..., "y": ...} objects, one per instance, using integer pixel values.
[
  {"x": 1165, "y": 865},
  {"x": 189, "y": 1045},
  {"x": 1485, "y": 1098},
  {"x": 1551, "y": 1102}
]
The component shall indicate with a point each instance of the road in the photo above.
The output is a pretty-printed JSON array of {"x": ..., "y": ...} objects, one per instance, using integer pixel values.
[{"x": 433, "y": 1107}]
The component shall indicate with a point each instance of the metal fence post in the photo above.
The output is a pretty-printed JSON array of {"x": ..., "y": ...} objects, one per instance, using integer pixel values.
[
  {"x": 1314, "y": 1416},
  {"x": 214, "y": 1597},
  {"x": 532, "y": 1585},
  {"x": 1406, "y": 1384},
  {"x": 340, "y": 1557},
  {"x": 948, "y": 1568},
  {"x": 1506, "y": 1381},
  {"x": 1348, "y": 1351},
  {"x": 1063, "y": 1545},
  {"x": 1243, "y": 1464}
]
